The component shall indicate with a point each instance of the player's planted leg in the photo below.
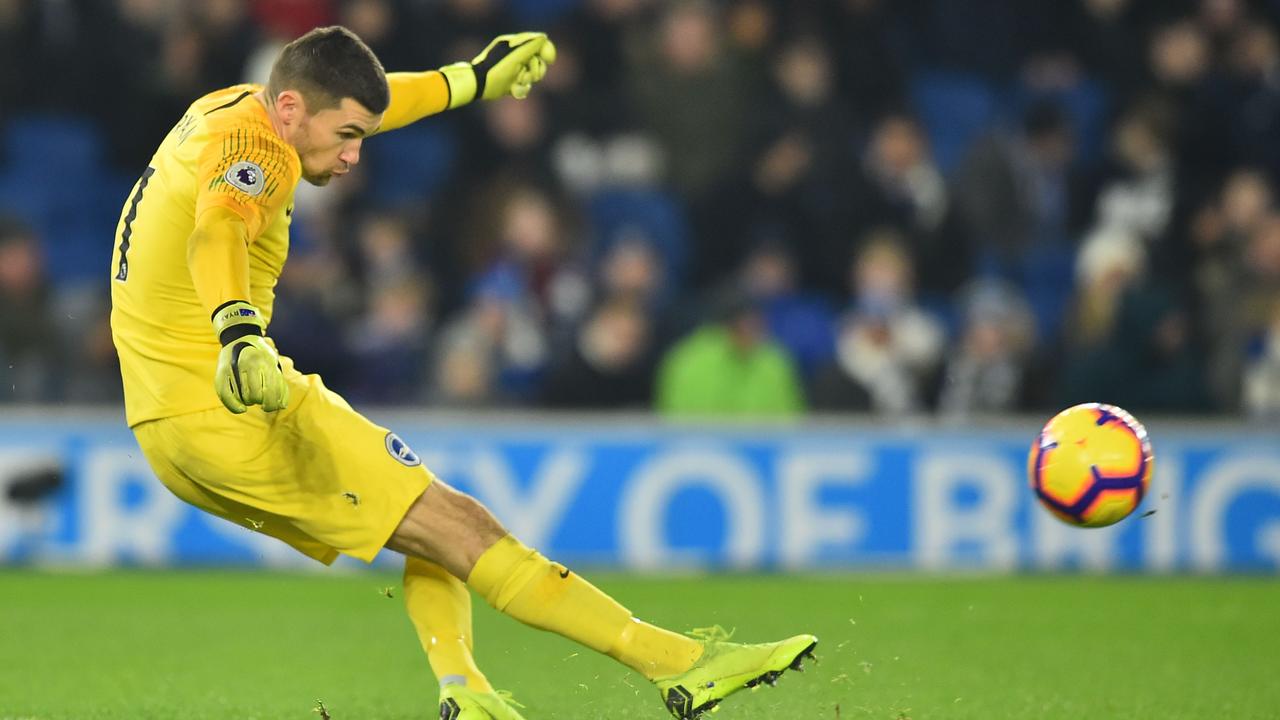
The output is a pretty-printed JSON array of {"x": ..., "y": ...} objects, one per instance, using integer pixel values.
[
  {"x": 459, "y": 702},
  {"x": 457, "y": 532},
  {"x": 440, "y": 607}
]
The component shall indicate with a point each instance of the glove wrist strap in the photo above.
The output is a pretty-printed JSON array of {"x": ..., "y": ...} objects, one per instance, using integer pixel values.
[
  {"x": 236, "y": 319},
  {"x": 461, "y": 79}
]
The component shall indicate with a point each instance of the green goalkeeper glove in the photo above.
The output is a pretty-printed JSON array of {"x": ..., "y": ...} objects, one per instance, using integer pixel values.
[
  {"x": 509, "y": 66},
  {"x": 249, "y": 371}
]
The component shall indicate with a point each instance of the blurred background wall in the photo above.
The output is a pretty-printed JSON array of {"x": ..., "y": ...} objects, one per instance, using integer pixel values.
[{"x": 887, "y": 211}]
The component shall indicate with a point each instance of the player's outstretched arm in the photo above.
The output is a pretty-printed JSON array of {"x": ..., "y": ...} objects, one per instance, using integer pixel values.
[
  {"x": 510, "y": 65},
  {"x": 248, "y": 371}
]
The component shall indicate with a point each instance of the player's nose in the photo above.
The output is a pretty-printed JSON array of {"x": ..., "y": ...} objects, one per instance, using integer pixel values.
[{"x": 351, "y": 153}]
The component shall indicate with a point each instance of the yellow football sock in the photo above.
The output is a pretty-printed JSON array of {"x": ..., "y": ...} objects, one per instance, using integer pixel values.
[
  {"x": 440, "y": 607},
  {"x": 520, "y": 582}
]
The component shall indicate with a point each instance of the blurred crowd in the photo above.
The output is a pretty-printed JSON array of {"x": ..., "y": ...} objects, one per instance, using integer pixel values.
[{"x": 745, "y": 207}]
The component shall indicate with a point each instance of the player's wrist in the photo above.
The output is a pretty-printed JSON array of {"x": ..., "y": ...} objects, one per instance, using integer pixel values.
[
  {"x": 237, "y": 319},
  {"x": 461, "y": 77}
]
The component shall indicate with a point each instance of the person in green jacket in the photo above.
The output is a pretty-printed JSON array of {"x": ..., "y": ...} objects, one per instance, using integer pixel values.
[{"x": 729, "y": 368}]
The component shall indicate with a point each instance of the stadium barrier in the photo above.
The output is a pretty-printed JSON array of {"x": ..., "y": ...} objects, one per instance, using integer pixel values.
[{"x": 635, "y": 494}]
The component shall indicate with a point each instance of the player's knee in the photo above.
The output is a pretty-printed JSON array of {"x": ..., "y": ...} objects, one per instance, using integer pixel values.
[
  {"x": 447, "y": 527},
  {"x": 475, "y": 514}
]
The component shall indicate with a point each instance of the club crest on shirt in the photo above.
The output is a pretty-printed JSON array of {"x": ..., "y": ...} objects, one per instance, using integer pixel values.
[
  {"x": 246, "y": 176},
  {"x": 401, "y": 451}
]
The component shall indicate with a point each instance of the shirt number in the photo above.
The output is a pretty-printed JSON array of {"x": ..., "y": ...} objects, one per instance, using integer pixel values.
[{"x": 122, "y": 272}]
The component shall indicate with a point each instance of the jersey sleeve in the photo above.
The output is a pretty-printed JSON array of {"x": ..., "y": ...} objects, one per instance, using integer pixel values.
[
  {"x": 249, "y": 171},
  {"x": 414, "y": 95}
]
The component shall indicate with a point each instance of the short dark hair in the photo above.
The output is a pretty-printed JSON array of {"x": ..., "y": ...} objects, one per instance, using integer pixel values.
[{"x": 329, "y": 64}]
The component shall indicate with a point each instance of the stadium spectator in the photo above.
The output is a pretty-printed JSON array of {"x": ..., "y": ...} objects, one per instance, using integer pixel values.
[
  {"x": 803, "y": 168},
  {"x": 31, "y": 356},
  {"x": 1014, "y": 189},
  {"x": 511, "y": 138},
  {"x": 593, "y": 39},
  {"x": 1140, "y": 195},
  {"x": 986, "y": 373},
  {"x": 1101, "y": 34},
  {"x": 1134, "y": 344},
  {"x": 1261, "y": 392},
  {"x": 386, "y": 251},
  {"x": 94, "y": 375},
  {"x": 752, "y": 30},
  {"x": 899, "y": 166},
  {"x": 1182, "y": 64},
  {"x": 901, "y": 185},
  {"x": 887, "y": 347},
  {"x": 692, "y": 92},
  {"x": 493, "y": 353},
  {"x": 458, "y": 28},
  {"x": 1180, "y": 54},
  {"x": 390, "y": 340},
  {"x": 314, "y": 293},
  {"x": 728, "y": 368},
  {"x": 632, "y": 270},
  {"x": 532, "y": 254},
  {"x": 291, "y": 18},
  {"x": 1219, "y": 233},
  {"x": 229, "y": 37},
  {"x": 379, "y": 24},
  {"x": 1253, "y": 97},
  {"x": 1148, "y": 363},
  {"x": 13, "y": 40},
  {"x": 1240, "y": 308},
  {"x": 867, "y": 39},
  {"x": 807, "y": 123},
  {"x": 801, "y": 322},
  {"x": 609, "y": 364},
  {"x": 1111, "y": 261}
]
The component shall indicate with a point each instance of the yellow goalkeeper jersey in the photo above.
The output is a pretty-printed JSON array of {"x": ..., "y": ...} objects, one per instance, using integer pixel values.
[{"x": 223, "y": 152}]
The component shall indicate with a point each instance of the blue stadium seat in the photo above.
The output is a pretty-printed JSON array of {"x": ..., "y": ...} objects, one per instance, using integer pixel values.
[
  {"x": 955, "y": 109},
  {"x": 55, "y": 181},
  {"x": 48, "y": 146},
  {"x": 78, "y": 246},
  {"x": 653, "y": 213},
  {"x": 1048, "y": 280},
  {"x": 410, "y": 164},
  {"x": 26, "y": 199}
]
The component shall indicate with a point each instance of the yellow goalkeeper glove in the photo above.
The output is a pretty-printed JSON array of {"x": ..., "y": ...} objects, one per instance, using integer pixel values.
[
  {"x": 510, "y": 65},
  {"x": 249, "y": 371}
]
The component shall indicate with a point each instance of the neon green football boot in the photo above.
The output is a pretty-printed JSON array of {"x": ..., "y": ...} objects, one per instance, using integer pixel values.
[
  {"x": 458, "y": 702},
  {"x": 726, "y": 667}
]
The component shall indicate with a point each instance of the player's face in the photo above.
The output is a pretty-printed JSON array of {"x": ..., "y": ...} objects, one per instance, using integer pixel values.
[{"x": 328, "y": 141}]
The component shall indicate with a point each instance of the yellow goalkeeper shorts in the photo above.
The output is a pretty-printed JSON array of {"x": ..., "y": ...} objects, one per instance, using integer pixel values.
[{"x": 317, "y": 475}]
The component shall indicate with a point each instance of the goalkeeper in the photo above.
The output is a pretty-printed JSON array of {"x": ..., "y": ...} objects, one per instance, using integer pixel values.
[{"x": 231, "y": 427}]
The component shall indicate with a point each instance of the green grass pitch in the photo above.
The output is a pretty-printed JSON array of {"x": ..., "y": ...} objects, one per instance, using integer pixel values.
[{"x": 225, "y": 645}]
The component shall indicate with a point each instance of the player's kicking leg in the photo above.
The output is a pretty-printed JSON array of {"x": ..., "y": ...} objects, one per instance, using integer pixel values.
[
  {"x": 456, "y": 532},
  {"x": 726, "y": 667}
]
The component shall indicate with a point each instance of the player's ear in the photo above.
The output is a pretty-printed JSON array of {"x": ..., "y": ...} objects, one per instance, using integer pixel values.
[{"x": 290, "y": 107}]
